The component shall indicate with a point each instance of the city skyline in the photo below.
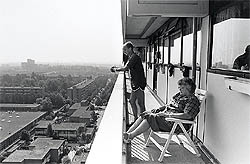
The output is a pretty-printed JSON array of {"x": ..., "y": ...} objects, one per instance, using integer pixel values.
[
  {"x": 60, "y": 32},
  {"x": 3, "y": 64}
]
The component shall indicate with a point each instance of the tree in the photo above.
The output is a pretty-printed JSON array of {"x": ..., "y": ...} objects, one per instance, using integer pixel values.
[
  {"x": 46, "y": 104},
  {"x": 39, "y": 100},
  {"x": 83, "y": 137},
  {"x": 66, "y": 160},
  {"x": 51, "y": 85},
  {"x": 25, "y": 135},
  {"x": 28, "y": 82},
  {"x": 41, "y": 83},
  {"x": 57, "y": 99},
  {"x": 68, "y": 101},
  {"x": 91, "y": 106},
  {"x": 6, "y": 80},
  {"x": 98, "y": 101},
  {"x": 49, "y": 131},
  {"x": 93, "y": 117}
]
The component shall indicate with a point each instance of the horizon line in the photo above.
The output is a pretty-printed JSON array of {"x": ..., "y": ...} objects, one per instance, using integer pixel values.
[{"x": 61, "y": 63}]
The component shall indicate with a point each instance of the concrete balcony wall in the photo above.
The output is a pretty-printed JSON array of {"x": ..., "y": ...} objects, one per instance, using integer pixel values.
[{"x": 107, "y": 145}]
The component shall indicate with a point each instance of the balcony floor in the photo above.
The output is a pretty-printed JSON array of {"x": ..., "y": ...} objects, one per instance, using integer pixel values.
[
  {"x": 138, "y": 153},
  {"x": 176, "y": 154}
]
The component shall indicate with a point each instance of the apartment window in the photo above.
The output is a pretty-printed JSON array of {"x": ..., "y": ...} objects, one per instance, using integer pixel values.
[
  {"x": 188, "y": 49},
  {"x": 149, "y": 56},
  {"x": 152, "y": 53},
  {"x": 165, "y": 47},
  {"x": 175, "y": 49},
  {"x": 161, "y": 50},
  {"x": 231, "y": 34},
  {"x": 149, "y": 53}
]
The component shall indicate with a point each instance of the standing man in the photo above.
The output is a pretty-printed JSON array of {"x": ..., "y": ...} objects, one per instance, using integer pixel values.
[{"x": 138, "y": 79}]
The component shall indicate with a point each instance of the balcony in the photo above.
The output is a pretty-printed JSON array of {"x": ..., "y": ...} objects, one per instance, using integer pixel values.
[{"x": 108, "y": 146}]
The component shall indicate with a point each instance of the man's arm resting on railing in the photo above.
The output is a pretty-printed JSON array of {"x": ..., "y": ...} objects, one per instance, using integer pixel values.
[{"x": 118, "y": 69}]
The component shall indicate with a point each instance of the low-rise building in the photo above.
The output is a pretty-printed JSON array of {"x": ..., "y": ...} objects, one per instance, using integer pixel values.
[
  {"x": 90, "y": 132},
  {"x": 69, "y": 130},
  {"x": 21, "y": 90},
  {"x": 41, "y": 151},
  {"x": 12, "y": 124},
  {"x": 81, "y": 115},
  {"x": 65, "y": 130},
  {"x": 41, "y": 128},
  {"x": 20, "y": 107}
]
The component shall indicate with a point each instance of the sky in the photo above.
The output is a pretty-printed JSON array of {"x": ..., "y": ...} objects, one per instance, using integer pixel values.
[{"x": 61, "y": 31}]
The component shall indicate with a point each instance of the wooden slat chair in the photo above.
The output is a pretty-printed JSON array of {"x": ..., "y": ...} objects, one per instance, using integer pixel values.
[{"x": 201, "y": 95}]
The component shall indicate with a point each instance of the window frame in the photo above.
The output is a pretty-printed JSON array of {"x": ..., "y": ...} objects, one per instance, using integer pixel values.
[{"x": 229, "y": 72}]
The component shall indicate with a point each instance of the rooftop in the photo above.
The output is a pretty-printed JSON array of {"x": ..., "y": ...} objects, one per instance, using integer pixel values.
[
  {"x": 68, "y": 126},
  {"x": 21, "y": 88},
  {"x": 80, "y": 158},
  {"x": 44, "y": 123},
  {"x": 82, "y": 84},
  {"x": 41, "y": 148},
  {"x": 42, "y": 143},
  {"x": 82, "y": 113},
  {"x": 89, "y": 130},
  {"x": 10, "y": 123},
  {"x": 78, "y": 106},
  {"x": 19, "y": 105}
]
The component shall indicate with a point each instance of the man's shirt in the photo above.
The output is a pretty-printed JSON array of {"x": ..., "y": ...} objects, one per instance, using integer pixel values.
[{"x": 138, "y": 79}]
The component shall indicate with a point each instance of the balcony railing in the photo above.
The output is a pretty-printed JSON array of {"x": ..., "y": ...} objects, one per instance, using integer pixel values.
[{"x": 107, "y": 146}]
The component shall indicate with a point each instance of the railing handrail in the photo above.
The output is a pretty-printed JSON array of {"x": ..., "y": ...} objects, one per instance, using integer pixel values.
[{"x": 107, "y": 145}]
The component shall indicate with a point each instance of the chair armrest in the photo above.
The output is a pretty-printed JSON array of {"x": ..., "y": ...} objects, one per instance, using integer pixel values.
[{"x": 180, "y": 120}]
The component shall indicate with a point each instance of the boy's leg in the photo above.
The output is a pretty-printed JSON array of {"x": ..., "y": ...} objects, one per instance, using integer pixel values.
[
  {"x": 132, "y": 102},
  {"x": 141, "y": 100}
]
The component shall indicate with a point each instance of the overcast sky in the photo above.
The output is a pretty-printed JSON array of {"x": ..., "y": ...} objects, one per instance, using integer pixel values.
[{"x": 60, "y": 31}]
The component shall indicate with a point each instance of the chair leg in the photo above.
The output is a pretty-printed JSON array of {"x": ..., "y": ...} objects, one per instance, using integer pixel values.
[
  {"x": 189, "y": 139},
  {"x": 148, "y": 140},
  {"x": 167, "y": 143},
  {"x": 179, "y": 139}
]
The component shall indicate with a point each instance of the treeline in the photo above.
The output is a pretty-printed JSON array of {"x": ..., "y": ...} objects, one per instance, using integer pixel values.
[
  {"x": 39, "y": 80},
  {"x": 55, "y": 89},
  {"x": 55, "y": 70},
  {"x": 99, "y": 91}
]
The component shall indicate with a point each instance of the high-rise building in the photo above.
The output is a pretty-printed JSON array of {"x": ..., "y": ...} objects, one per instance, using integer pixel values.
[{"x": 30, "y": 64}]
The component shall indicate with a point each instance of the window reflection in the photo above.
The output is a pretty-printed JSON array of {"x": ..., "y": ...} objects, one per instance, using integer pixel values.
[
  {"x": 188, "y": 49},
  {"x": 175, "y": 51},
  {"x": 230, "y": 39}
]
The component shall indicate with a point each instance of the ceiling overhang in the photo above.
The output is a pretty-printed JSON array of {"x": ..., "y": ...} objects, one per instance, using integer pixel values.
[
  {"x": 168, "y": 8},
  {"x": 141, "y": 18}
]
